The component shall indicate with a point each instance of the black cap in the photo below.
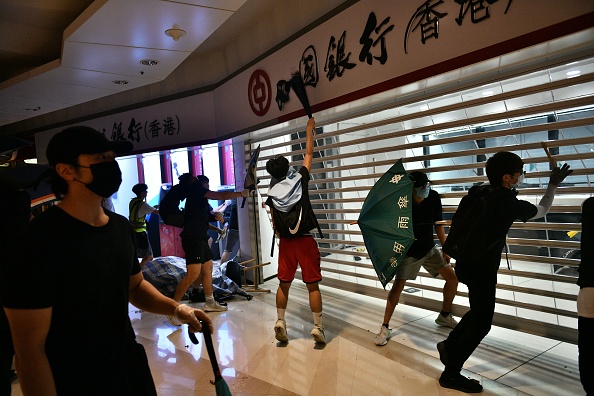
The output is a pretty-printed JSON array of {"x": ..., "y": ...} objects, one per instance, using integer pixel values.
[
  {"x": 65, "y": 147},
  {"x": 419, "y": 178}
]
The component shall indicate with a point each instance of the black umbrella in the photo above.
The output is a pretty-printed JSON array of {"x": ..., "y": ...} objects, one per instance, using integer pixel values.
[
  {"x": 299, "y": 88},
  {"x": 250, "y": 180},
  {"x": 221, "y": 387}
]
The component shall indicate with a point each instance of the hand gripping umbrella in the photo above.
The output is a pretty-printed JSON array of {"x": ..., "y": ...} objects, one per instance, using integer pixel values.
[
  {"x": 250, "y": 180},
  {"x": 221, "y": 387},
  {"x": 386, "y": 221},
  {"x": 299, "y": 89}
]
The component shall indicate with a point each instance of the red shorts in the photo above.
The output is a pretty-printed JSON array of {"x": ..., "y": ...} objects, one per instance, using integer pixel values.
[{"x": 302, "y": 251}]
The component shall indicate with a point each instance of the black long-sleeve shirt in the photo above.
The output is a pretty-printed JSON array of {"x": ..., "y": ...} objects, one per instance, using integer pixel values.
[{"x": 586, "y": 270}]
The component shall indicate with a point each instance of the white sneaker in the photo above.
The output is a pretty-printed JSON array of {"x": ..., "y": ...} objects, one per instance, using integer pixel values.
[
  {"x": 280, "y": 331},
  {"x": 381, "y": 339},
  {"x": 216, "y": 307},
  {"x": 447, "y": 321},
  {"x": 318, "y": 334}
]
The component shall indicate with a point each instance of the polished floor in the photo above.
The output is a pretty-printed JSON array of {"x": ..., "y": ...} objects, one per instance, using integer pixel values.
[{"x": 253, "y": 363}]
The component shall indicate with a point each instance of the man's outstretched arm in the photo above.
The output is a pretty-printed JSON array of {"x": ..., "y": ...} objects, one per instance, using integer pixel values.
[{"x": 310, "y": 131}]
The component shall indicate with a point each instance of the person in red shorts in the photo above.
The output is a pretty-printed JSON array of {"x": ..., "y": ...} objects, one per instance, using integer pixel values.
[{"x": 287, "y": 188}]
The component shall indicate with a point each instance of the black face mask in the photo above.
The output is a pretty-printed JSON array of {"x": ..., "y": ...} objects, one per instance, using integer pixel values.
[{"x": 107, "y": 178}]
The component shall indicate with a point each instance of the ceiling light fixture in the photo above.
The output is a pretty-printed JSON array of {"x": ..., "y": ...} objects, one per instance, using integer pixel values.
[
  {"x": 487, "y": 93},
  {"x": 175, "y": 32},
  {"x": 149, "y": 62},
  {"x": 120, "y": 82}
]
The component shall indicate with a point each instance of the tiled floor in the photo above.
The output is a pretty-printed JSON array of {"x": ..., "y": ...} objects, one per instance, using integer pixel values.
[{"x": 253, "y": 363}]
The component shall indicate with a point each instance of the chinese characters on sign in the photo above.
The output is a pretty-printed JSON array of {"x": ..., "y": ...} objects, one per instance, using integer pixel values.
[
  {"x": 396, "y": 178},
  {"x": 336, "y": 60},
  {"x": 151, "y": 130},
  {"x": 375, "y": 45},
  {"x": 367, "y": 42},
  {"x": 426, "y": 17},
  {"x": 308, "y": 66}
]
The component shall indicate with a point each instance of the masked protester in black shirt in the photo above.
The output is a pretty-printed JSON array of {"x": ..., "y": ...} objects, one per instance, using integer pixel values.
[{"x": 505, "y": 172}]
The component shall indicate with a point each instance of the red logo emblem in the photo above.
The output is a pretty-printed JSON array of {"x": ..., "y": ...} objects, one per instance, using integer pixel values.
[{"x": 259, "y": 93}]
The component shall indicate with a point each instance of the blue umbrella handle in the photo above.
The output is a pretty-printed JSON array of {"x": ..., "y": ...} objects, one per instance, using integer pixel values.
[{"x": 209, "y": 348}]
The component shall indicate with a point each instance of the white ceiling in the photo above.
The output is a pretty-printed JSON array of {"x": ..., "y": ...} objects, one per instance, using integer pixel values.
[
  {"x": 59, "y": 58},
  {"x": 106, "y": 43}
]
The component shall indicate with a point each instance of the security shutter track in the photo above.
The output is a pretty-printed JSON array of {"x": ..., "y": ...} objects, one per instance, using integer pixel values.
[{"x": 449, "y": 134}]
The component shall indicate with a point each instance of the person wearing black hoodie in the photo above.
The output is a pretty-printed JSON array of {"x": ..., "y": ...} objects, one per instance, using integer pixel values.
[
  {"x": 585, "y": 300},
  {"x": 505, "y": 173}
]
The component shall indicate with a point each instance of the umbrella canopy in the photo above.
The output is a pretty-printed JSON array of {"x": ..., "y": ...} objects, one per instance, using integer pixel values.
[
  {"x": 386, "y": 221},
  {"x": 250, "y": 180},
  {"x": 299, "y": 88}
]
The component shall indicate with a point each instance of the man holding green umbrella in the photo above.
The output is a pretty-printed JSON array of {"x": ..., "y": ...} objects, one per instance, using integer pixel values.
[{"x": 426, "y": 215}]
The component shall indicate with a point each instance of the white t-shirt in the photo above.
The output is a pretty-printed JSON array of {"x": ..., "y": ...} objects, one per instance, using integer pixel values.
[{"x": 145, "y": 209}]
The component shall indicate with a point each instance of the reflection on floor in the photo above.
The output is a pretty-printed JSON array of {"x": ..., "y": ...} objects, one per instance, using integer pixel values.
[{"x": 253, "y": 363}]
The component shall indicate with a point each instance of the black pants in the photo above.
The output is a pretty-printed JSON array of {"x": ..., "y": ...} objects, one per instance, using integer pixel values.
[
  {"x": 586, "y": 353},
  {"x": 476, "y": 323},
  {"x": 6, "y": 354}
]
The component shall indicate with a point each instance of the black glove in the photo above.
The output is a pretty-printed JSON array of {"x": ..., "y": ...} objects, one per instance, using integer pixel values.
[{"x": 559, "y": 174}]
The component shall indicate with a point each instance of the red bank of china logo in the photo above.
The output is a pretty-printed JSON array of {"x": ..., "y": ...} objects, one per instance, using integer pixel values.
[{"x": 259, "y": 92}]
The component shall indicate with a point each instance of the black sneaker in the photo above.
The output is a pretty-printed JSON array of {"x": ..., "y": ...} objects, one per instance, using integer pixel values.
[
  {"x": 197, "y": 296},
  {"x": 460, "y": 383}
]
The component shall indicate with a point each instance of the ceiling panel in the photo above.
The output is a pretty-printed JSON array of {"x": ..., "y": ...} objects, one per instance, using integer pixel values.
[
  {"x": 96, "y": 79},
  {"x": 122, "y": 60},
  {"x": 103, "y": 42},
  {"x": 142, "y": 23}
]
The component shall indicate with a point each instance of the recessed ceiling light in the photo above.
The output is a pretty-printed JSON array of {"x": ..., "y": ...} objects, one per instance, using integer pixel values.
[
  {"x": 120, "y": 82},
  {"x": 487, "y": 93},
  {"x": 573, "y": 73},
  {"x": 424, "y": 107},
  {"x": 149, "y": 62}
]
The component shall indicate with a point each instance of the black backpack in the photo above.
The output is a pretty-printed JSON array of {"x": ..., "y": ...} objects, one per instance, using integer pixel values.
[
  {"x": 169, "y": 206},
  {"x": 298, "y": 221},
  {"x": 467, "y": 239}
]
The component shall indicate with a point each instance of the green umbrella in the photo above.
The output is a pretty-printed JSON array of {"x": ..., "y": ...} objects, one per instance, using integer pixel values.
[
  {"x": 386, "y": 221},
  {"x": 221, "y": 387}
]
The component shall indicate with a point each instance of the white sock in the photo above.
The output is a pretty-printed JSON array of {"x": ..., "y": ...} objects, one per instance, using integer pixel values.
[
  {"x": 209, "y": 300},
  {"x": 317, "y": 318},
  {"x": 281, "y": 313}
]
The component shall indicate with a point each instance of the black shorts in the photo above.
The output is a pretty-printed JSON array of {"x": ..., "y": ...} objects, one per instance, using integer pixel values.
[{"x": 196, "y": 250}]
